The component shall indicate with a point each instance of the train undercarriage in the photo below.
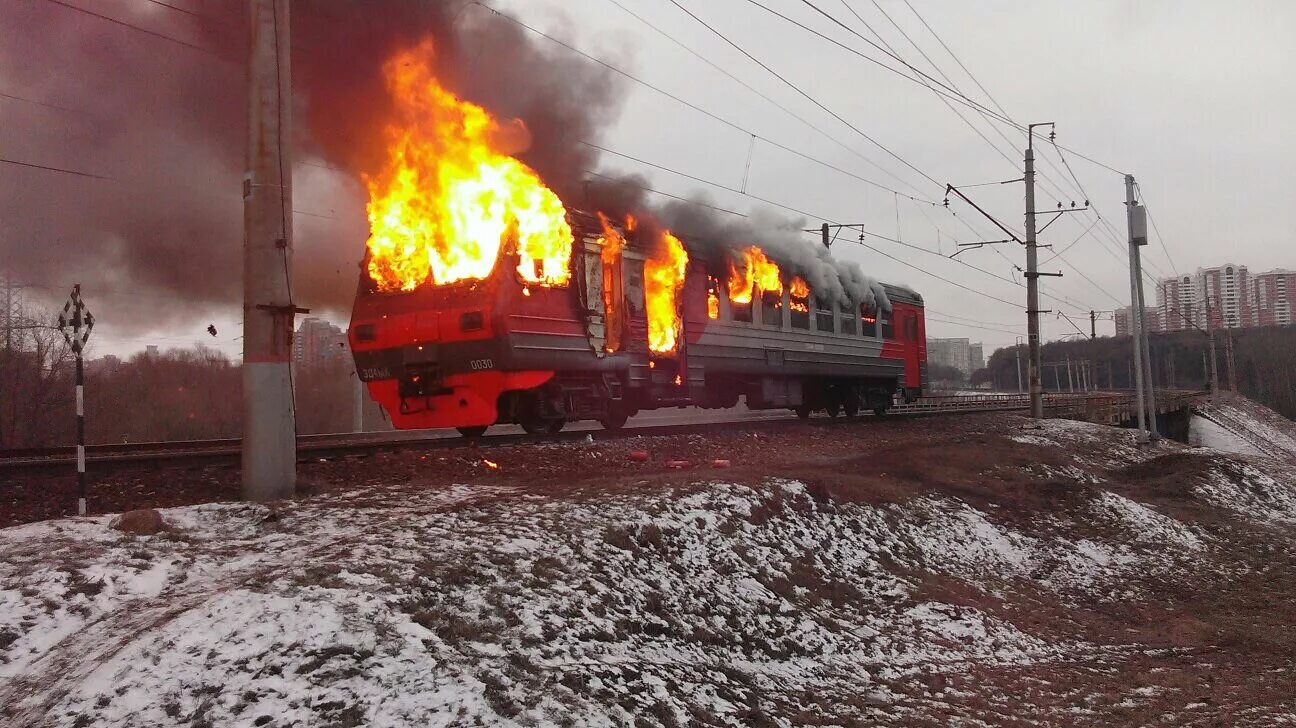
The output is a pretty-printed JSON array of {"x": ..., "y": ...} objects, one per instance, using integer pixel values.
[{"x": 606, "y": 399}]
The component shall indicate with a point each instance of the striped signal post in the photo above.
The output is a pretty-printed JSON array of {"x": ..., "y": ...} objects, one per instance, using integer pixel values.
[{"x": 75, "y": 322}]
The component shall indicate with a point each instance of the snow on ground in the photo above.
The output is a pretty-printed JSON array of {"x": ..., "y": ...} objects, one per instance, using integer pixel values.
[
  {"x": 711, "y": 603},
  {"x": 1205, "y": 433},
  {"x": 1235, "y": 424}
]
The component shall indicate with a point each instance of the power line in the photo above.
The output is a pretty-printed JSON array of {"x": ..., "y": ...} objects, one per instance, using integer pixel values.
[
  {"x": 781, "y": 107},
  {"x": 684, "y": 102},
  {"x": 146, "y": 31},
  {"x": 807, "y": 96},
  {"x": 126, "y": 183},
  {"x": 717, "y": 185},
  {"x": 927, "y": 315},
  {"x": 54, "y": 169},
  {"x": 1174, "y": 268},
  {"x": 954, "y": 96}
]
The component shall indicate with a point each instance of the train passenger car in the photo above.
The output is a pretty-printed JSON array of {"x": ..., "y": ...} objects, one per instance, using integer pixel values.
[{"x": 478, "y": 352}]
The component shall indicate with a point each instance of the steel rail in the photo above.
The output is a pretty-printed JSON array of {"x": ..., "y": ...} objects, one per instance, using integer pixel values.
[{"x": 1108, "y": 406}]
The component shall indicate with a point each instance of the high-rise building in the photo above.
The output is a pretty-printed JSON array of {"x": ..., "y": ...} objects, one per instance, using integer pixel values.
[
  {"x": 1123, "y": 316},
  {"x": 1273, "y": 297},
  {"x": 317, "y": 341},
  {"x": 1225, "y": 289},
  {"x": 960, "y": 354},
  {"x": 1226, "y": 297},
  {"x": 1178, "y": 303}
]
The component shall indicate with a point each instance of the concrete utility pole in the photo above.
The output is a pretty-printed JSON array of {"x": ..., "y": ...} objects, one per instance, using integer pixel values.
[
  {"x": 1214, "y": 366},
  {"x": 269, "y": 422},
  {"x": 1019, "y": 377},
  {"x": 1032, "y": 283},
  {"x": 358, "y": 397},
  {"x": 1136, "y": 220},
  {"x": 1232, "y": 364},
  {"x": 1093, "y": 325}
]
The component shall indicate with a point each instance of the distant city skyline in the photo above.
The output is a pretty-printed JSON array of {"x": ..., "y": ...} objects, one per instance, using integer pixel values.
[{"x": 1225, "y": 296}]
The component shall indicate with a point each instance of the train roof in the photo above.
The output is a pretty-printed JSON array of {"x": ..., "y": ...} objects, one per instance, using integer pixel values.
[{"x": 588, "y": 224}]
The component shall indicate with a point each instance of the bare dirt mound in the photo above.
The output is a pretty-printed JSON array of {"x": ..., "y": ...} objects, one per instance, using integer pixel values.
[{"x": 835, "y": 576}]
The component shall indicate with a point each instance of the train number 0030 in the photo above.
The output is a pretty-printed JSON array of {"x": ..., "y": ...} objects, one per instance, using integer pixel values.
[{"x": 480, "y": 364}]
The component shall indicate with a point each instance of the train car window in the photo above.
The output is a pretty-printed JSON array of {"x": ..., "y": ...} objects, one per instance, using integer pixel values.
[
  {"x": 868, "y": 320},
  {"x": 888, "y": 324},
  {"x": 799, "y": 304},
  {"x": 772, "y": 308},
  {"x": 713, "y": 298},
  {"x": 823, "y": 315},
  {"x": 741, "y": 310},
  {"x": 848, "y": 319}
]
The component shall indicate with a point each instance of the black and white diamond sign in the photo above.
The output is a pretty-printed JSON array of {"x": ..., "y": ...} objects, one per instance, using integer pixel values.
[{"x": 75, "y": 321}]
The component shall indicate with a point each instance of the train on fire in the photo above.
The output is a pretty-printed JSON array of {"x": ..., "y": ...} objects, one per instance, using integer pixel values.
[{"x": 500, "y": 349}]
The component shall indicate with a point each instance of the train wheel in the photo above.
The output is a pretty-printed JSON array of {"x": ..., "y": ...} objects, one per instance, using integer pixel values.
[
  {"x": 880, "y": 411},
  {"x": 615, "y": 420},
  {"x": 474, "y": 431},
  {"x": 833, "y": 409},
  {"x": 851, "y": 406},
  {"x": 803, "y": 412},
  {"x": 553, "y": 427}
]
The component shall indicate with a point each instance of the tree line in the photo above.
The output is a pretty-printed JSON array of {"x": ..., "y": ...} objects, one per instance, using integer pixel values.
[
  {"x": 178, "y": 394},
  {"x": 1263, "y": 363}
]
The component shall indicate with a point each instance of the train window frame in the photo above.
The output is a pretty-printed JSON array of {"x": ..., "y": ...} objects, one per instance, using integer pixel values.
[
  {"x": 771, "y": 315},
  {"x": 824, "y": 308},
  {"x": 886, "y": 321},
  {"x": 799, "y": 320},
  {"x": 868, "y": 320},
  {"x": 517, "y": 276},
  {"x": 714, "y": 291},
  {"x": 848, "y": 319}
]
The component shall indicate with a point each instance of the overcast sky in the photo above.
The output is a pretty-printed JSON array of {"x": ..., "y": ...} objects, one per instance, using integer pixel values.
[{"x": 1194, "y": 98}]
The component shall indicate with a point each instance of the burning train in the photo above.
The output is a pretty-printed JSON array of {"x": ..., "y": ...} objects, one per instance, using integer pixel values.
[{"x": 484, "y": 299}]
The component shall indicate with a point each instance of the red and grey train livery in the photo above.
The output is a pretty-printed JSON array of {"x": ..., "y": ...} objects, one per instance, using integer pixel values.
[{"x": 498, "y": 350}]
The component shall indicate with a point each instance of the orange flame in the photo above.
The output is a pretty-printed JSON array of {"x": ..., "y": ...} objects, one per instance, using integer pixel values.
[
  {"x": 798, "y": 288},
  {"x": 448, "y": 197},
  {"x": 757, "y": 271},
  {"x": 613, "y": 244},
  {"x": 663, "y": 280},
  {"x": 713, "y": 305}
]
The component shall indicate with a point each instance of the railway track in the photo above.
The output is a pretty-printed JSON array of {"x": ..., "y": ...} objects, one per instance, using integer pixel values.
[{"x": 193, "y": 453}]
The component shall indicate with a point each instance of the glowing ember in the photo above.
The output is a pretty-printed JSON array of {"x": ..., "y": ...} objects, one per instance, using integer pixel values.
[
  {"x": 678, "y": 380},
  {"x": 448, "y": 197},
  {"x": 490, "y": 464},
  {"x": 756, "y": 271},
  {"x": 663, "y": 280}
]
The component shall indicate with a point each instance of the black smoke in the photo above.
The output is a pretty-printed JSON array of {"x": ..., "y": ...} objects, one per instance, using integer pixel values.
[{"x": 156, "y": 232}]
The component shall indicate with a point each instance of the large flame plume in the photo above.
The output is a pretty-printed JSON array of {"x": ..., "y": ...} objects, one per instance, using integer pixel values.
[
  {"x": 755, "y": 270},
  {"x": 663, "y": 281},
  {"x": 448, "y": 197}
]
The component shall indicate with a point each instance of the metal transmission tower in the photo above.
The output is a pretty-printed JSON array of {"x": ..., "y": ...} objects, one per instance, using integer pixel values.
[{"x": 269, "y": 426}]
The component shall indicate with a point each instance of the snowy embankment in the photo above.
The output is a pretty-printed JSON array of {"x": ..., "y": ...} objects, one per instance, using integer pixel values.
[
  {"x": 774, "y": 603},
  {"x": 1237, "y": 425}
]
